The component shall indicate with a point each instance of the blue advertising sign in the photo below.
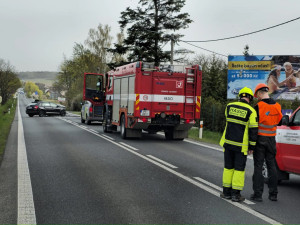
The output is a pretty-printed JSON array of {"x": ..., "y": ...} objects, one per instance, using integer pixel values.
[{"x": 280, "y": 72}]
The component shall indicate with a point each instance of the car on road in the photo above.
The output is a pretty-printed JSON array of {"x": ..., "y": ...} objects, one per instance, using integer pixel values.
[
  {"x": 32, "y": 109},
  {"x": 42, "y": 108},
  {"x": 288, "y": 147}
]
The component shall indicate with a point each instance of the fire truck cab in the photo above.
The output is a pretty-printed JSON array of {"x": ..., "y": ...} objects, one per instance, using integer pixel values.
[
  {"x": 140, "y": 96},
  {"x": 93, "y": 98}
]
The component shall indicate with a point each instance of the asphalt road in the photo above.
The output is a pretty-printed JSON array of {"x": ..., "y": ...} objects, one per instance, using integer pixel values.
[{"x": 79, "y": 175}]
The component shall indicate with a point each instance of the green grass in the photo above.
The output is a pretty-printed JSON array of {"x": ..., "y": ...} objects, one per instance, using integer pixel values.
[
  {"x": 6, "y": 120},
  {"x": 207, "y": 136},
  {"x": 75, "y": 112}
]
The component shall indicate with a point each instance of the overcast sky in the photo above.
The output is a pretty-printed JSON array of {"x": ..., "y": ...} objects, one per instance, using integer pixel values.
[{"x": 36, "y": 34}]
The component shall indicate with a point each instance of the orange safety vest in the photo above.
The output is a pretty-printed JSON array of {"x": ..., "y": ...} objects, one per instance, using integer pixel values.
[{"x": 269, "y": 117}]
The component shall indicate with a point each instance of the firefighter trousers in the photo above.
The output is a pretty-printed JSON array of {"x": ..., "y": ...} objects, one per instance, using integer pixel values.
[
  {"x": 234, "y": 169},
  {"x": 265, "y": 150}
]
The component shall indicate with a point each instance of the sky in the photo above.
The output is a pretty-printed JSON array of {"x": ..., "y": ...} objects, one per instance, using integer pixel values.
[{"x": 35, "y": 35}]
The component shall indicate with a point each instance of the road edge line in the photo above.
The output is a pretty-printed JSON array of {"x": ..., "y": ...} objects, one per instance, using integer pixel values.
[{"x": 26, "y": 210}]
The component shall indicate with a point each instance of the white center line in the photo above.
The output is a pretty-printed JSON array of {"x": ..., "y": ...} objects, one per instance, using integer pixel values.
[
  {"x": 190, "y": 180},
  {"x": 133, "y": 148},
  {"x": 26, "y": 210},
  {"x": 108, "y": 137},
  {"x": 163, "y": 162},
  {"x": 94, "y": 131}
]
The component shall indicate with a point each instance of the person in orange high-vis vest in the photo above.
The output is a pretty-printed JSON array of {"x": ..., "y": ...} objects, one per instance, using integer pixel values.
[{"x": 269, "y": 116}]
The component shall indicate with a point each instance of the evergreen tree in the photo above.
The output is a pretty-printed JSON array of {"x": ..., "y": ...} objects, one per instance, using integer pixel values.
[{"x": 147, "y": 27}]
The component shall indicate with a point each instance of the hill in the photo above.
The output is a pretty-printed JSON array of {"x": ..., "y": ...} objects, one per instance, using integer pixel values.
[{"x": 44, "y": 77}]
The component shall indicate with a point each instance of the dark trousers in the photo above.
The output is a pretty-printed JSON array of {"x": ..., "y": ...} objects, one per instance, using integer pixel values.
[
  {"x": 265, "y": 150},
  {"x": 234, "y": 159}
]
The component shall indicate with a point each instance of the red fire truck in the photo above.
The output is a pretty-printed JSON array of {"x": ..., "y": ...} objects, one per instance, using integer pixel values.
[
  {"x": 140, "y": 96},
  {"x": 93, "y": 98}
]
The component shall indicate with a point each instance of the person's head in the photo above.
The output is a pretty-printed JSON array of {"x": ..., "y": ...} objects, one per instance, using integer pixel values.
[
  {"x": 261, "y": 91},
  {"x": 288, "y": 67},
  {"x": 246, "y": 94},
  {"x": 278, "y": 69}
]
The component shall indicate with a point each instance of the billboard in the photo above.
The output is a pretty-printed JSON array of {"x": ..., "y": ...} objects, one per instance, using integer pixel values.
[{"x": 280, "y": 72}]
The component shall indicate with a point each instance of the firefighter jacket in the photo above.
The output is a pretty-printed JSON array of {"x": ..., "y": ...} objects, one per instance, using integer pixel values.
[
  {"x": 241, "y": 127},
  {"x": 269, "y": 116}
]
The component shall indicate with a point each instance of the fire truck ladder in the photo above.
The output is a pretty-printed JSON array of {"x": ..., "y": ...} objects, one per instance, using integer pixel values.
[{"x": 189, "y": 108}]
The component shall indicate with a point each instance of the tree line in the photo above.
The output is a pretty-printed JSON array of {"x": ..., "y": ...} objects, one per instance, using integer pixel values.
[{"x": 9, "y": 81}]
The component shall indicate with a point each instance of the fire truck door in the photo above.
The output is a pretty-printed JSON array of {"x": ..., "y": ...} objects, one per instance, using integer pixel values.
[{"x": 116, "y": 99}]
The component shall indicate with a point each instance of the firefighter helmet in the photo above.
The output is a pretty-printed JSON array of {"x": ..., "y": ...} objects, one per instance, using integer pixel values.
[
  {"x": 260, "y": 86},
  {"x": 246, "y": 92}
]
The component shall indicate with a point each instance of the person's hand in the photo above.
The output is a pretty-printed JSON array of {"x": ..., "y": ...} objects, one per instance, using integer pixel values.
[{"x": 250, "y": 152}]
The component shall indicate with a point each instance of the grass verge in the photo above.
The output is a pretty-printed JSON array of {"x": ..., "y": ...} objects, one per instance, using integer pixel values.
[
  {"x": 7, "y": 114},
  {"x": 207, "y": 136},
  {"x": 75, "y": 112}
]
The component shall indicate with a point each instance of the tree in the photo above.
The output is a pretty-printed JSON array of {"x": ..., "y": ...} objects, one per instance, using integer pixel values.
[
  {"x": 246, "y": 50},
  {"x": 98, "y": 41},
  {"x": 147, "y": 25},
  {"x": 31, "y": 88},
  {"x": 214, "y": 76},
  {"x": 9, "y": 82},
  {"x": 88, "y": 58}
]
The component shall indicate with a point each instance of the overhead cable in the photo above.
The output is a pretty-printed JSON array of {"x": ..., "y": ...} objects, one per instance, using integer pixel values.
[
  {"x": 205, "y": 49},
  {"x": 221, "y": 39}
]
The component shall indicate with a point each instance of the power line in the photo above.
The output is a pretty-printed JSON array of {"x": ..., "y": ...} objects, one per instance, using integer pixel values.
[
  {"x": 221, "y": 39},
  {"x": 205, "y": 49}
]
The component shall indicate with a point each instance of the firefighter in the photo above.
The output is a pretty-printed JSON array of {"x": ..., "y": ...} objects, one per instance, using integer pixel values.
[
  {"x": 238, "y": 140},
  {"x": 269, "y": 116}
]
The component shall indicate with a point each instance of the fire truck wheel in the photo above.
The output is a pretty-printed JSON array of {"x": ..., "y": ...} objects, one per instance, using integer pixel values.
[
  {"x": 105, "y": 127},
  {"x": 123, "y": 129},
  {"x": 82, "y": 120}
]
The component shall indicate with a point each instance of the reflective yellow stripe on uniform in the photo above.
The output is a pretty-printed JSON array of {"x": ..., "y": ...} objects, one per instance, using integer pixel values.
[
  {"x": 236, "y": 121},
  {"x": 233, "y": 143},
  {"x": 252, "y": 143},
  {"x": 238, "y": 180},
  {"x": 227, "y": 177}
]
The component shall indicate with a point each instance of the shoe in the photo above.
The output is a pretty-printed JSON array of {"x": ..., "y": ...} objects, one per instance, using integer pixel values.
[
  {"x": 256, "y": 198},
  {"x": 237, "y": 198},
  {"x": 273, "y": 197},
  {"x": 222, "y": 195}
]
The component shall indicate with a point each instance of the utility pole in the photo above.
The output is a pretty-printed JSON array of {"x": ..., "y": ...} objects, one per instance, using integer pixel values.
[{"x": 172, "y": 49}]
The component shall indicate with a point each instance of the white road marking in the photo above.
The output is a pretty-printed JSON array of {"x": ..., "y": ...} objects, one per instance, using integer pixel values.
[
  {"x": 26, "y": 210},
  {"x": 94, "y": 131},
  {"x": 129, "y": 146},
  {"x": 163, "y": 162},
  {"x": 108, "y": 137},
  {"x": 83, "y": 127},
  {"x": 190, "y": 180},
  {"x": 219, "y": 188},
  {"x": 204, "y": 145}
]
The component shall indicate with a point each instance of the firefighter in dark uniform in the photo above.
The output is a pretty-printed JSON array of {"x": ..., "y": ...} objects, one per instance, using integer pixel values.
[
  {"x": 238, "y": 140},
  {"x": 269, "y": 116}
]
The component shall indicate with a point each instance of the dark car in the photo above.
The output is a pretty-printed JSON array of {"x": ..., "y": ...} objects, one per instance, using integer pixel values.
[
  {"x": 45, "y": 108},
  {"x": 32, "y": 109}
]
